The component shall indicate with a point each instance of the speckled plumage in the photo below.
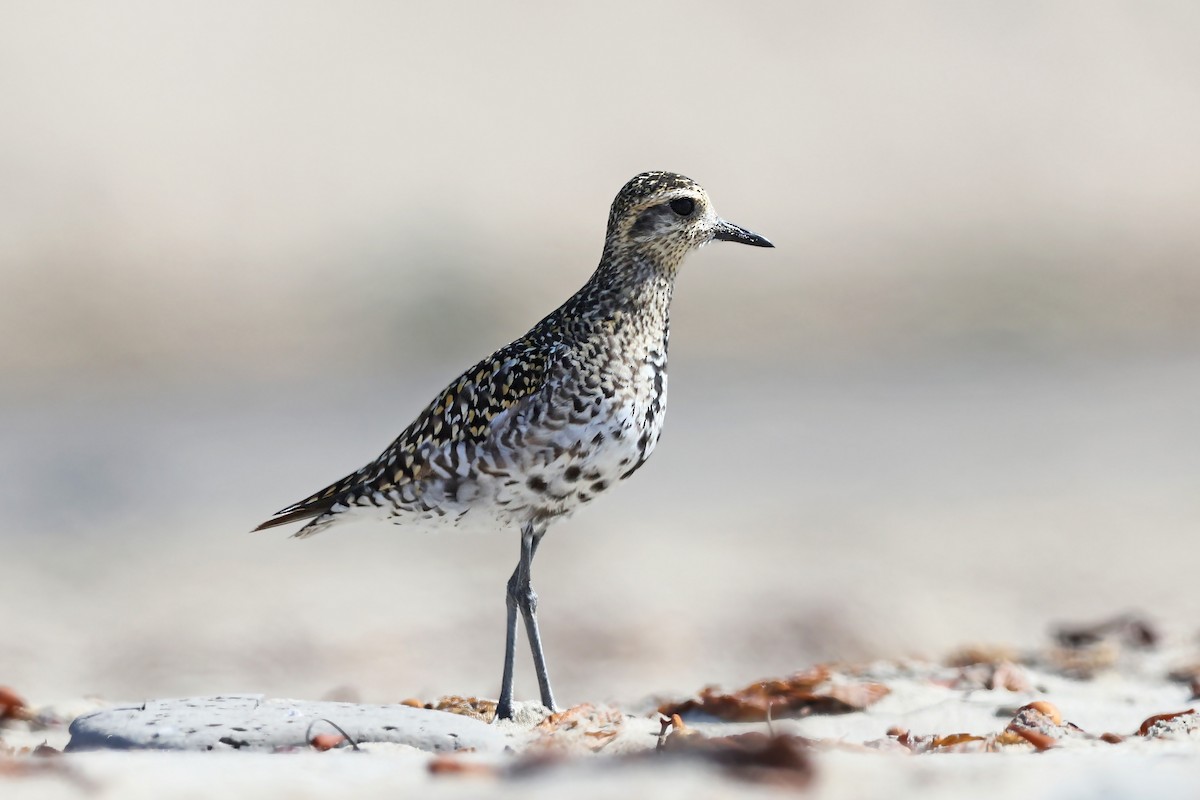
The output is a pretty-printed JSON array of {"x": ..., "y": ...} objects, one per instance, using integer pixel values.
[{"x": 548, "y": 422}]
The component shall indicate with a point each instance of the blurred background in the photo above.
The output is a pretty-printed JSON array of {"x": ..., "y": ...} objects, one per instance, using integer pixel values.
[{"x": 242, "y": 244}]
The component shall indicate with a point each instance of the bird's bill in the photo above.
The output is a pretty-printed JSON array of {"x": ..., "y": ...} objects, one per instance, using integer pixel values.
[{"x": 728, "y": 232}]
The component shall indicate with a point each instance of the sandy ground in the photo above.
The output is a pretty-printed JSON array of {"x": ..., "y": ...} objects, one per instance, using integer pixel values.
[{"x": 1058, "y": 721}]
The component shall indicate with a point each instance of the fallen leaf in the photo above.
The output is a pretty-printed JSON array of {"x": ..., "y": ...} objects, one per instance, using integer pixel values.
[
  {"x": 955, "y": 738},
  {"x": 28, "y": 767},
  {"x": 1045, "y": 708},
  {"x": 474, "y": 707},
  {"x": 981, "y": 654},
  {"x": 1150, "y": 722},
  {"x": 457, "y": 765},
  {"x": 12, "y": 706},
  {"x": 758, "y": 757},
  {"x": 1041, "y": 741},
  {"x": 813, "y": 692},
  {"x": 1008, "y": 737},
  {"x": 1128, "y": 629}
]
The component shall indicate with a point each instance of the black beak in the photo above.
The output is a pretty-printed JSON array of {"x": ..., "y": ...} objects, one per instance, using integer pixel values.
[{"x": 728, "y": 232}]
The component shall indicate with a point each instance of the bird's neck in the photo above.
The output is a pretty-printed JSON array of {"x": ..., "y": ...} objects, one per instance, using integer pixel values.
[{"x": 632, "y": 286}]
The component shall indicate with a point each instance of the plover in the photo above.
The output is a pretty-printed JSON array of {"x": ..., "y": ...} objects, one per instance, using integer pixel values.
[{"x": 547, "y": 423}]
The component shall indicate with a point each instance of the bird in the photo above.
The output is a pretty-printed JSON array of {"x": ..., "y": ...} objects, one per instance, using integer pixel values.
[{"x": 551, "y": 420}]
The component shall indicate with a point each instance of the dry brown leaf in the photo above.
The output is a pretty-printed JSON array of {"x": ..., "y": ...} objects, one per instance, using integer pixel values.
[
  {"x": 955, "y": 738},
  {"x": 585, "y": 714},
  {"x": 12, "y": 706},
  {"x": 600, "y": 739},
  {"x": 993, "y": 655},
  {"x": 1129, "y": 630},
  {"x": 457, "y": 765},
  {"x": 1045, "y": 708},
  {"x": 1010, "y": 676},
  {"x": 1084, "y": 662},
  {"x": 29, "y": 767},
  {"x": 804, "y": 693},
  {"x": 1185, "y": 674},
  {"x": 857, "y": 695},
  {"x": 567, "y": 719},
  {"x": 1041, "y": 741},
  {"x": 1150, "y": 721},
  {"x": 759, "y": 757},
  {"x": 1009, "y": 737},
  {"x": 474, "y": 707}
]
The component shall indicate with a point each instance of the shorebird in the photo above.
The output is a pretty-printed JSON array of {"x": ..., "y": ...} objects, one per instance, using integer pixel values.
[{"x": 546, "y": 423}]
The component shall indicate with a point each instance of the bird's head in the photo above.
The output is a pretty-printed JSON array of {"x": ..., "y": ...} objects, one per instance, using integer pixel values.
[{"x": 665, "y": 215}]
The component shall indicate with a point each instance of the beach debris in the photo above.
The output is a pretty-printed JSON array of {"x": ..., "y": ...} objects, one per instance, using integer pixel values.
[
  {"x": 1041, "y": 725},
  {"x": 1083, "y": 651},
  {"x": 955, "y": 739},
  {"x": 816, "y": 691},
  {"x": 1190, "y": 675},
  {"x": 1038, "y": 724},
  {"x": 12, "y": 707},
  {"x": 989, "y": 667},
  {"x": 1043, "y": 708},
  {"x": 19, "y": 767},
  {"x": 463, "y": 766},
  {"x": 1002, "y": 675},
  {"x": 1083, "y": 662},
  {"x": 1040, "y": 741},
  {"x": 757, "y": 757},
  {"x": 1170, "y": 725},
  {"x": 326, "y": 741},
  {"x": 594, "y": 728},
  {"x": 1128, "y": 630},
  {"x": 982, "y": 654},
  {"x": 473, "y": 707}
]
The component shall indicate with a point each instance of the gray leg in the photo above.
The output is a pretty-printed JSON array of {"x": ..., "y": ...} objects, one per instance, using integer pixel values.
[
  {"x": 521, "y": 597},
  {"x": 504, "y": 707}
]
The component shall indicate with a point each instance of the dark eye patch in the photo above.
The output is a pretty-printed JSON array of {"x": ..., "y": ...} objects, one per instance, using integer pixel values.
[
  {"x": 683, "y": 206},
  {"x": 647, "y": 222}
]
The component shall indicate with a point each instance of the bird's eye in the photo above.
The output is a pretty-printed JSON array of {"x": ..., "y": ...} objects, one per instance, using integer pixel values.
[{"x": 684, "y": 206}]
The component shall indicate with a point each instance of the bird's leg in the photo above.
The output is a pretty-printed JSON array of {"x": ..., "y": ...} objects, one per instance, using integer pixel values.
[
  {"x": 521, "y": 597},
  {"x": 527, "y": 602},
  {"x": 504, "y": 706}
]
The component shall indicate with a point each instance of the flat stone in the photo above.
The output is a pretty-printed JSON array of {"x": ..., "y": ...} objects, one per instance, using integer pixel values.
[{"x": 252, "y": 722}]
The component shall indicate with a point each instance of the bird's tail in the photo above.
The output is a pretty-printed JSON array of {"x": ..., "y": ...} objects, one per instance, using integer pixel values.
[
  {"x": 287, "y": 516},
  {"x": 315, "y": 505}
]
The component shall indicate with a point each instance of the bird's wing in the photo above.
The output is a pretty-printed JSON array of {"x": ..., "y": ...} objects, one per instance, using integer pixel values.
[{"x": 462, "y": 412}]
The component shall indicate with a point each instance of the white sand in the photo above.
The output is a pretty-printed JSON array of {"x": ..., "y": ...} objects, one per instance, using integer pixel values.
[{"x": 853, "y": 757}]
